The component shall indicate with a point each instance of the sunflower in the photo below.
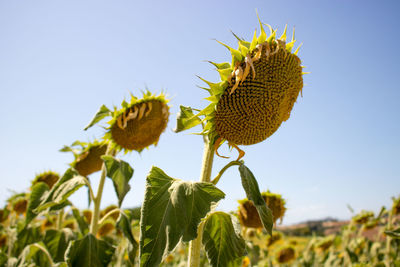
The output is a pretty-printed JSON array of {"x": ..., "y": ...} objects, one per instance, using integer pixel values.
[
  {"x": 286, "y": 254},
  {"x": 248, "y": 215},
  {"x": 256, "y": 93},
  {"x": 48, "y": 177},
  {"x": 87, "y": 156},
  {"x": 137, "y": 124}
]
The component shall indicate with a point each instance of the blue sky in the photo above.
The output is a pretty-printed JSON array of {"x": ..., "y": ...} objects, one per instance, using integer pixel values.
[{"x": 61, "y": 60}]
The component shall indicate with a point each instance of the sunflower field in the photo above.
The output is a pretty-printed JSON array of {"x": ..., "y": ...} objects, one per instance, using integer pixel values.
[{"x": 178, "y": 223}]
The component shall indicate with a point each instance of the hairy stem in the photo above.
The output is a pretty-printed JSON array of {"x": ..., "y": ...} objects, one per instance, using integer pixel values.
[
  {"x": 388, "y": 239},
  {"x": 195, "y": 245},
  {"x": 94, "y": 225},
  {"x": 60, "y": 219}
]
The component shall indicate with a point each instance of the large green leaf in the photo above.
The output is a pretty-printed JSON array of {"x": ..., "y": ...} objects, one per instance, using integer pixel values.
[
  {"x": 186, "y": 119},
  {"x": 222, "y": 241},
  {"x": 124, "y": 225},
  {"x": 38, "y": 190},
  {"x": 252, "y": 190},
  {"x": 100, "y": 114},
  {"x": 66, "y": 186},
  {"x": 57, "y": 241},
  {"x": 171, "y": 211},
  {"x": 89, "y": 252},
  {"x": 120, "y": 173}
]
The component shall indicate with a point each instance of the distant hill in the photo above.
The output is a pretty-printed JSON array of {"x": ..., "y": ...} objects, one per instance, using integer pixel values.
[{"x": 321, "y": 227}]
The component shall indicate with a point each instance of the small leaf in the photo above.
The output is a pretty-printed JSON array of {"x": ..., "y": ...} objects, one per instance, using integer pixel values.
[
  {"x": 37, "y": 193},
  {"x": 120, "y": 173},
  {"x": 89, "y": 252},
  {"x": 101, "y": 114},
  {"x": 252, "y": 190},
  {"x": 3, "y": 258},
  {"x": 57, "y": 242},
  {"x": 83, "y": 225},
  {"x": 33, "y": 255},
  {"x": 66, "y": 186},
  {"x": 186, "y": 119},
  {"x": 171, "y": 211},
  {"x": 124, "y": 225},
  {"x": 223, "y": 244},
  {"x": 394, "y": 233}
]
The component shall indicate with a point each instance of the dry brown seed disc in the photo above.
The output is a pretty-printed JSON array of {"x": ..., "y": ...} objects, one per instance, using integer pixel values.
[{"x": 142, "y": 131}]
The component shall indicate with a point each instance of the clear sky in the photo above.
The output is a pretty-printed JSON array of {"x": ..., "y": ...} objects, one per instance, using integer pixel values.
[{"x": 61, "y": 60}]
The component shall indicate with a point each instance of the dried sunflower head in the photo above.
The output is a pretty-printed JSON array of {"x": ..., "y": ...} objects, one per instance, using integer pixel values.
[
  {"x": 106, "y": 228},
  {"x": 363, "y": 217},
  {"x": 286, "y": 254},
  {"x": 256, "y": 93},
  {"x": 396, "y": 206},
  {"x": 87, "y": 156},
  {"x": 108, "y": 209},
  {"x": 137, "y": 124},
  {"x": 48, "y": 177},
  {"x": 18, "y": 203},
  {"x": 248, "y": 215},
  {"x": 325, "y": 243}
]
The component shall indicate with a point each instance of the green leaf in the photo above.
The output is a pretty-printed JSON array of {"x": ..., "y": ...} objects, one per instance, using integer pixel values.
[
  {"x": 89, "y": 252},
  {"x": 32, "y": 255},
  {"x": 252, "y": 190},
  {"x": 394, "y": 233},
  {"x": 124, "y": 225},
  {"x": 66, "y": 186},
  {"x": 101, "y": 114},
  {"x": 83, "y": 225},
  {"x": 3, "y": 258},
  {"x": 171, "y": 211},
  {"x": 222, "y": 241},
  {"x": 120, "y": 173},
  {"x": 57, "y": 242},
  {"x": 186, "y": 119},
  {"x": 38, "y": 190},
  {"x": 27, "y": 236}
]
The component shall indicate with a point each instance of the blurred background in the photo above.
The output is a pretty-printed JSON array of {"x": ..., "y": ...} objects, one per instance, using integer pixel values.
[{"x": 61, "y": 60}]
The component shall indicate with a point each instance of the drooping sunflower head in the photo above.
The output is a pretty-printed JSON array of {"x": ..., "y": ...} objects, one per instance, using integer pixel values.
[
  {"x": 139, "y": 124},
  {"x": 48, "y": 177},
  {"x": 286, "y": 254},
  {"x": 363, "y": 217},
  {"x": 325, "y": 243},
  {"x": 248, "y": 215},
  {"x": 257, "y": 90},
  {"x": 396, "y": 206},
  {"x": 87, "y": 156},
  {"x": 276, "y": 204}
]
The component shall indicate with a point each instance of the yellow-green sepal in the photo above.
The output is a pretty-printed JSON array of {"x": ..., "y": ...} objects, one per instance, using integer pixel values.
[
  {"x": 263, "y": 35},
  {"x": 254, "y": 42},
  {"x": 235, "y": 53},
  {"x": 224, "y": 74},
  {"x": 220, "y": 66}
]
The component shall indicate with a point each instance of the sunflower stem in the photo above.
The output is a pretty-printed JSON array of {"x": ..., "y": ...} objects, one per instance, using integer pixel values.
[
  {"x": 94, "y": 225},
  {"x": 388, "y": 239},
  {"x": 205, "y": 175}
]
